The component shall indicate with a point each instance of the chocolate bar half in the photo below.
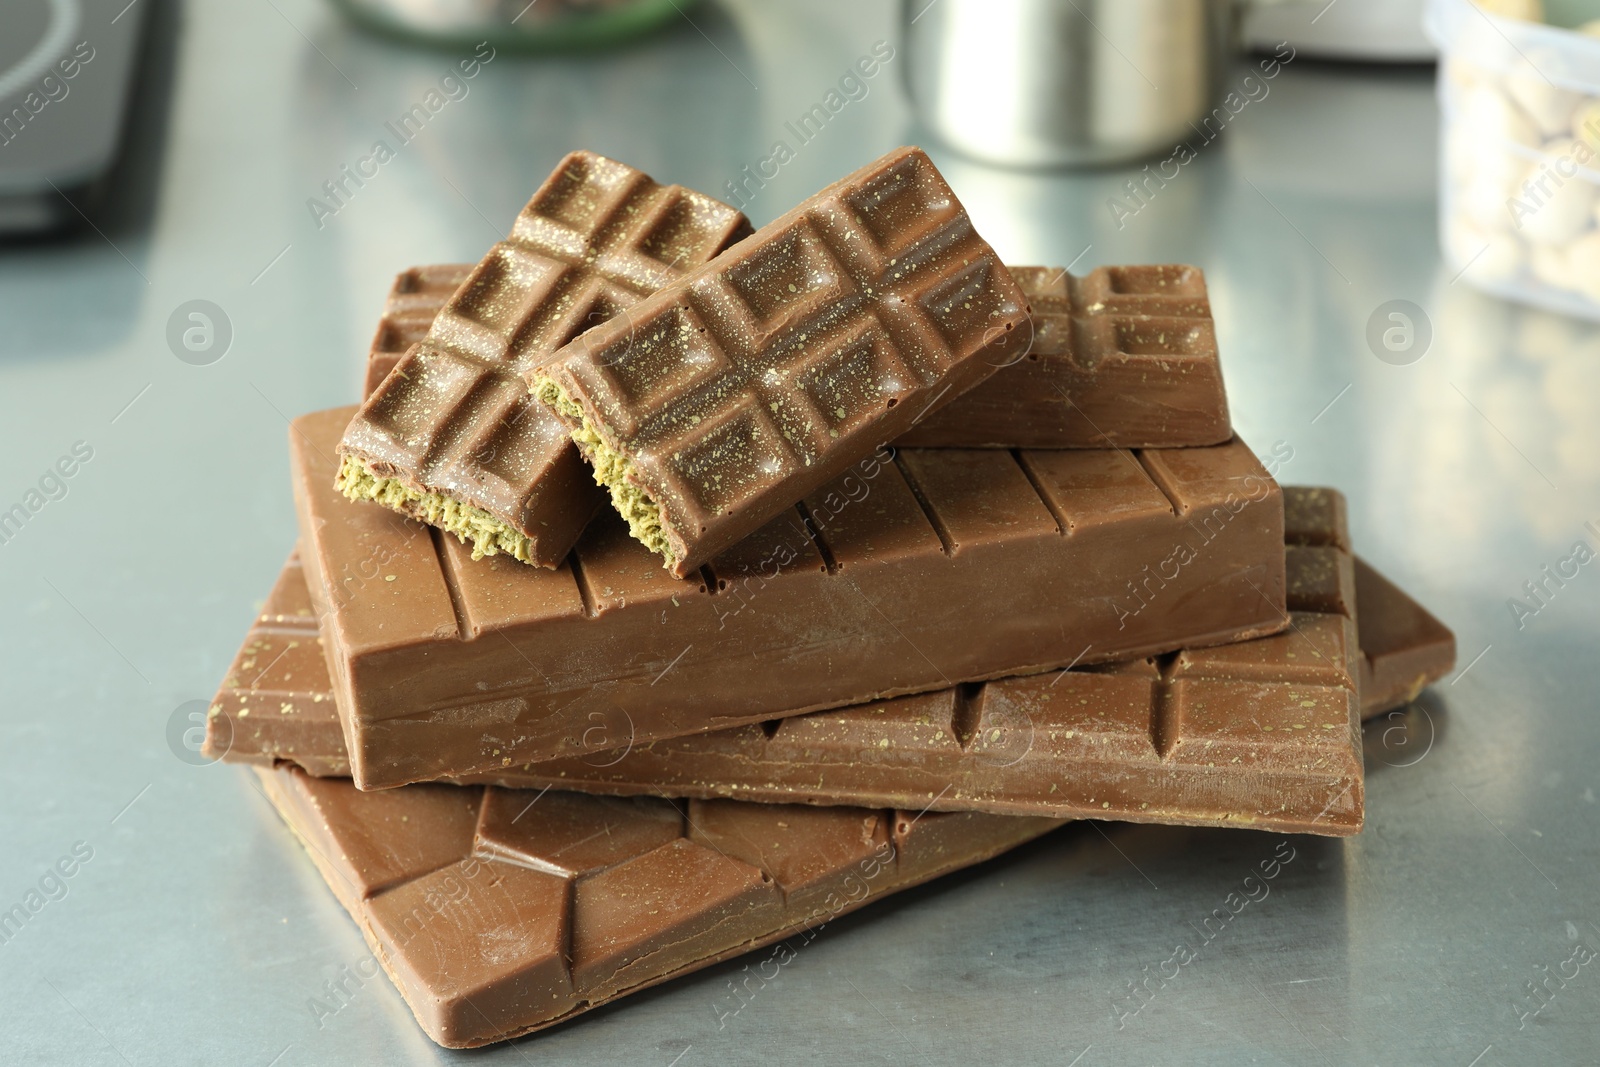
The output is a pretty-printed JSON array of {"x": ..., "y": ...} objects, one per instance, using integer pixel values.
[
  {"x": 1122, "y": 357},
  {"x": 913, "y": 572},
  {"x": 499, "y": 912},
  {"x": 450, "y": 436},
  {"x": 717, "y": 404}
]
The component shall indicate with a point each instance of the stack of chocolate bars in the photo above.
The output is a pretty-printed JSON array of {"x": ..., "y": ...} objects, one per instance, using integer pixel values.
[{"x": 720, "y": 582}]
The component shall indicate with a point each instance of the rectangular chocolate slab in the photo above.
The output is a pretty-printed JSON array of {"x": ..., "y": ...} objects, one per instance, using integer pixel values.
[
  {"x": 276, "y": 703},
  {"x": 1122, "y": 357},
  {"x": 1262, "y": 734},
  {"x": 716, "y": 405},
  {"x": 1083, "y": 743},
  {"x": 499, "y": 912},
  {"x": 916, "y": 572},
  {"x": 450, "y": 436}
]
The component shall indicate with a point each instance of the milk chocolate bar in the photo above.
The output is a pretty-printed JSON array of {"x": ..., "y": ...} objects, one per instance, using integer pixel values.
[
  {"x": 913, "y": 572},
  {"x": 1122, "y": 357},
  {"x": 500, "y": 912},
  {"x": 450, "y": 436},
  {"x": 1135, "y": 742},
  {"x": 717, "y": 404},
  {"x": 1261, "y": 733},
  {"x": 276, "y": 703}
]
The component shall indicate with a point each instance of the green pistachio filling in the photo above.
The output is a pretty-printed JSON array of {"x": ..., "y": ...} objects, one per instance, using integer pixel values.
[
  {"x": 611, "y": 469},
  {"x": 488, "y": 535}
]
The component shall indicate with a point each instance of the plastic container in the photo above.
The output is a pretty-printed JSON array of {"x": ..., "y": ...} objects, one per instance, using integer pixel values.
[{"x": 1519, "y": 175}]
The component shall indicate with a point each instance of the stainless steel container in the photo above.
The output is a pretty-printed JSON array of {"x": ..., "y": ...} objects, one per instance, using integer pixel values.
[
  {"x": 537, "y": 25},
  {"x": 1060, "y": 82}
]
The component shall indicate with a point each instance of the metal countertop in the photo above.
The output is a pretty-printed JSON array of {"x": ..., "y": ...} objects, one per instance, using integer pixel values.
[{"x": 197, "y": 932}]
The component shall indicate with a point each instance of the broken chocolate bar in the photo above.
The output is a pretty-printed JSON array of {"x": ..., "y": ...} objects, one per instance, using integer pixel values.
[
  {"x": 499, "y": 912},
  {"x": 450, "y": 436},
  {"x": 916, "y": 572},
  {"x": 717, "y": 404},
  {"x": 1123, "y": 357}
]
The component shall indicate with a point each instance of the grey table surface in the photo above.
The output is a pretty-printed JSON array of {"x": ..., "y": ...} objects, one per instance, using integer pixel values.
[{"x": 198, "y": 933}]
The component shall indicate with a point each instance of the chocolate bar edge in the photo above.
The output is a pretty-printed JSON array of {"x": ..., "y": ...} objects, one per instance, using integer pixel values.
[{"x": 273, "y": 781}]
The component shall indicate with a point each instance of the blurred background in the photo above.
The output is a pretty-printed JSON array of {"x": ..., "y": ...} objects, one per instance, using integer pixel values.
[{"x": 203, "y": 205}]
